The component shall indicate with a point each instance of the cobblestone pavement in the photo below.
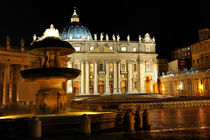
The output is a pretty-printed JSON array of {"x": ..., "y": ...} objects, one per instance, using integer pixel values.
[{"x": 174, "y": 124}]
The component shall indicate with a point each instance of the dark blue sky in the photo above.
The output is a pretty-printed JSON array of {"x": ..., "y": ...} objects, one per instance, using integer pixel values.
[{"x": 174, "y": 24}]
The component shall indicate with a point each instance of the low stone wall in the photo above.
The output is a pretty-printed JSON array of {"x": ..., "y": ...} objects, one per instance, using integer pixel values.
[
  {"x": 147, "y": 104},
  {"x": 164, "y": 104}
]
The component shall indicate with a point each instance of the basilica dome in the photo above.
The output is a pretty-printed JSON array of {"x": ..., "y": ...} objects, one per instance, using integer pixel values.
[{"x": 75, "y": 31}]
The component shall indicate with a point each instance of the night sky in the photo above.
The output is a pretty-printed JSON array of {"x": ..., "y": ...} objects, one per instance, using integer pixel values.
[{"x": 174, "y": 24}]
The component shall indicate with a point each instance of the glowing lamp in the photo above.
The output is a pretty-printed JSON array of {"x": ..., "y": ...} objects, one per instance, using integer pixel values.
[
  {"x": 201, "y": 86},
  {"x": 180, "y": 85}
]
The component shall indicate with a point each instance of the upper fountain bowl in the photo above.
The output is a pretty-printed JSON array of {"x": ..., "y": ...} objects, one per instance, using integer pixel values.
[{"x": 39, "y": 48}]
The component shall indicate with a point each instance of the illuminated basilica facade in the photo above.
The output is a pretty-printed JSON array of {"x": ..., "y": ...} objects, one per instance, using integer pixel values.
[{"x": 109, "y": 65}]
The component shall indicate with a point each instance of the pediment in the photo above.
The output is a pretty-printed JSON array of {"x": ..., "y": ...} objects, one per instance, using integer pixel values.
[{"x": 102, "y": 49}]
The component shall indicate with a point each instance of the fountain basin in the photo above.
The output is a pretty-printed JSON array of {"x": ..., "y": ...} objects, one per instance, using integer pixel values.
[
  {"x": 48, "y": 73},
  {"x": 51, "y": 97},
  {"x": 39, "y": 48}
]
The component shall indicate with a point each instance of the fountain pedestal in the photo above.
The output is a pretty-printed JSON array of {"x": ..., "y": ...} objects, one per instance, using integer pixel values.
[{"x": 51, "y": 97}]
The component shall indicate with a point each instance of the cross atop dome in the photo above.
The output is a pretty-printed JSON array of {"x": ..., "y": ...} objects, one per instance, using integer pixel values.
[{"x": 75, "y": 16}]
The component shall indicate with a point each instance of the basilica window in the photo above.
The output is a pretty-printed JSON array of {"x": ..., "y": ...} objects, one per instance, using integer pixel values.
[
  {"x": 111, "y": 48},
  {"x": 135, "y": 85},
  {"x": 77, "y": 48},
  {"x": 91, "y": 48},
  {"x": 206, "y": 86},
  {"x": 101, "y": 67},
  {"x": 134, "y": 49},
  {"x": 193, "y": 62},
  {"x": 197, "y": 61},
  {"x": 123, "y": 67},
  {"x": 147, "y": 49},
  {"x": 134, "y": 67},
  {"x": 123, "y": 49}
]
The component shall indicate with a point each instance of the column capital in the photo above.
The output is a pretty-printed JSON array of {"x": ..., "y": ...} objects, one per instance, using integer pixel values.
[
  {"x": 141, "y": 61},
  {"x": 96, "y": 60},
  {"x": 129, "y": 61},
  {"x": 154, "y": 61},
  {"x": 107, "y": 61},
  {"x": 86, "y": 61},
  {"x": 82, "y": 61},
  {"x": 115, "y": 60}
]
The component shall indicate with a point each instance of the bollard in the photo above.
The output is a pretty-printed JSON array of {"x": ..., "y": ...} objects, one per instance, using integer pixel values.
[
  {"x": 85, "y": 125},
  {"x": 35, "y": 127},
  {"x": 129, "y": 121},
  {"x": 146, "y": 119},
  {"x": 138, "y": 120}
]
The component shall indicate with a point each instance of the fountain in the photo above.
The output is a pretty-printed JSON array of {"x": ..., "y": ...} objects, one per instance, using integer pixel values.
[{"x": 51, "y": 97}]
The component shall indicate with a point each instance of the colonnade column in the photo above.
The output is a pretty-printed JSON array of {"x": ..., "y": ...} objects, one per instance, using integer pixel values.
[
  {"x": 155, "y": 77},
  {"x": 95, "y": 78},
  {"x": 119, "y": 78},
  {"x": 129, "y": 76},
  {"x": 69, "y": 82},
  {"x": 14, "y": 84},
  {"x": 87, "y": 88},
  {"x": 82, "y": 77},
  {"x": 6, "y": 85},
  {"x": 115, "y": 77},
  {"x": 142, "y": 75},
  {"x": 107, "y": 78}
]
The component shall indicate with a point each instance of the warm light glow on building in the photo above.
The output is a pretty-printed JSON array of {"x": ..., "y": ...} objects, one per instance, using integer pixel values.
[
  {"x": 163, "y": 88},
  {"x": 149, "y": 77},
  {"x": 180, "y": 85},
  {"x": 74, "y": 19},
  {"x": 201, "y": 87}
]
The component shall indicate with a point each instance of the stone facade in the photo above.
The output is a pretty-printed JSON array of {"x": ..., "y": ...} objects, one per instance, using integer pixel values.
[
  {"x": 201, "y": 55},
  {"x": 186, "y": 84},
  {"x": 113, "y": 67},
  {"x": 13, "y": 59}
]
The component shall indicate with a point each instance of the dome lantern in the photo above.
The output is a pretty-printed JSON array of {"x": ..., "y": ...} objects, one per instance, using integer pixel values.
[{"x": 75, "y": 17}]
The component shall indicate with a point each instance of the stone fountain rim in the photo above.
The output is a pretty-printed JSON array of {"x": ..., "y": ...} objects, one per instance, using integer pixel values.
[
  {"x": 47, "y": 73},
  {"x": 39, "y": 48}
]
